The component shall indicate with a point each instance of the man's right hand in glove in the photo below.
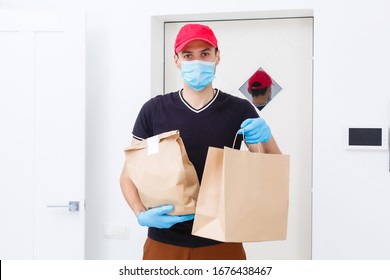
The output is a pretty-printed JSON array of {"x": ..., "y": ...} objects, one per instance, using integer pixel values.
[{"x": 157, "y": 217}]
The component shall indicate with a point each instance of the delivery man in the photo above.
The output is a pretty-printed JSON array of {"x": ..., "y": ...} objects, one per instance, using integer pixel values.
[{"x": 205, "y": 116}]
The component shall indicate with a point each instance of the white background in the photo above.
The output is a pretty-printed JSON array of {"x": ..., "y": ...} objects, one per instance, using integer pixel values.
[{"x": 351, "y": 188}]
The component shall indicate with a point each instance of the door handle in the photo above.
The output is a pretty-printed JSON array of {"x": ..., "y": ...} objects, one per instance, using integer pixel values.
[{"x": 72, "y": 206}]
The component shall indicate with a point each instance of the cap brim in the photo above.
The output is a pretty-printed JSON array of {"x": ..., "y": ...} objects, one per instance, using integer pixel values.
[
  {"x": 259, "y": 87},
  {"x": 180, "y": 47}
]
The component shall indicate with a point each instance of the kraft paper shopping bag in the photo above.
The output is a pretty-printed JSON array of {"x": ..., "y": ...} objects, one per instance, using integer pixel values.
[
  {"x": 243, "y": 196},
  {"x": 163, "y": 174}
]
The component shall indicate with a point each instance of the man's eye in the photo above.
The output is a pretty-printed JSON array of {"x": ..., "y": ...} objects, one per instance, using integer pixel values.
[
  {"x": 205, "y": 54},
  {"x": 187, "y": 56}
]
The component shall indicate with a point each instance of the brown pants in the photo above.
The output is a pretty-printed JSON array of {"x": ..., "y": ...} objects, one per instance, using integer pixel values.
[{"x": 154, "y": 250}]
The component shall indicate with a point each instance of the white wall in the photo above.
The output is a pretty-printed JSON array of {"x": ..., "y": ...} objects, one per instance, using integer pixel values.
[{"x": 351, "y": 188}]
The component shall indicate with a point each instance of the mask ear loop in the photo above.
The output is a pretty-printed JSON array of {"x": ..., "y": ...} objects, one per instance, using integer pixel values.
[{"x": 243, "y": 138}]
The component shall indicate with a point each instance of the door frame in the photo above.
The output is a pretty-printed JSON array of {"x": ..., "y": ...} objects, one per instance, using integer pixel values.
[{"x": 158, "y": 52}]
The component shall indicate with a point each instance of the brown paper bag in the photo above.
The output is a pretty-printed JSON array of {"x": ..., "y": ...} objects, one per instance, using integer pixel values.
[
  {"x": 243, "y": 196},
  {"x": 163, "y": 174}
]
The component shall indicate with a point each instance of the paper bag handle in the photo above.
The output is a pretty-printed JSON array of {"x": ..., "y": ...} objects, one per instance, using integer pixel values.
[
  {"x": 243, "y": 138},
  {"x": 235, "y": 137}
]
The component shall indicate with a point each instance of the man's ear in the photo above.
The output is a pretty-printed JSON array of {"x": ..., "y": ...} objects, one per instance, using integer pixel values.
[
  {"x": 218, "y": 58},
  {"x": 268, "y": 92},
  {"x": 177, "y": 61}
]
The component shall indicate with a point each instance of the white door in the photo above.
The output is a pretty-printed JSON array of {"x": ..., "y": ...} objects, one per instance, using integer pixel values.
[
  {"x": 284, "y": 49},
  {"x": 42, "y": 127}
]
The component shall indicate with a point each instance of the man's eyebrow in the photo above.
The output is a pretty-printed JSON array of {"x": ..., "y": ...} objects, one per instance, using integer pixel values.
[{"x": 204, "y": 50}]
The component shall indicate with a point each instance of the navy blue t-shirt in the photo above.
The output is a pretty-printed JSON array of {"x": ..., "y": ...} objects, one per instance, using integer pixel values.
[{"x": 214, "y": 125}]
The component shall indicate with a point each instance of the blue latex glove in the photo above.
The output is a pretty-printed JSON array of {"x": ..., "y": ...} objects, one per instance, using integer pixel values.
[
  {"x": 158, "y": 217},
  {"x": 255, "y": 130}
]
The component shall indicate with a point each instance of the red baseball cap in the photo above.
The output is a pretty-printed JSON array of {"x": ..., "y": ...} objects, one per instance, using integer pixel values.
[
  {"x": 191, "y": 32},
  {"x": 262, "y": 78}
]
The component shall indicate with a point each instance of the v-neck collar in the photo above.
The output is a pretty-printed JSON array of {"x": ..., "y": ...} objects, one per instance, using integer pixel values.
[{"x": 200, "y": 109}]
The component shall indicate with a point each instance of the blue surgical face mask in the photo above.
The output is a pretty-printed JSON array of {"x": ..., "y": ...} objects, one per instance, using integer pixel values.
[{"x": 198, "y": 74}]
